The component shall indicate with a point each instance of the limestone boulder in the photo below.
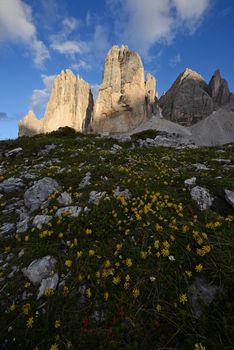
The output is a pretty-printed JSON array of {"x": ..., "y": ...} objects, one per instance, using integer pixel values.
[
  {"x": 188, "y": 100},
  {"x": 121, "y": 102}
]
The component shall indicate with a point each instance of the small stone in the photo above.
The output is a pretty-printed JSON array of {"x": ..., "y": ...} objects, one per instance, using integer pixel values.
[
  {"x": 46, "y": 149},
  {"x": 201, "y": 291},
  {"x": 50, "y": 283},
  {"x": 229, "y": 195},
  {"x": 13, "y": 184},
  {"x": 200, "y": 166},
  {"x": 21, "y": 253},
  {"x": 40, "y": 269},
  {"x": 122, "y": 192},
  {"x": 190, "y": 182},
  {"x": 86, "y": 180},
  {"x": 14, "y": 152},
  {"x": 64, "y": 199},
  {"x": 202, "y": 197},
  {"x": 72, "y": 211},
  {"x": 39, "y": 193},
  {"x": 40, "y": 220},
  {"x": 95, "y": 197},
  {"x": 6, "y": 230}
]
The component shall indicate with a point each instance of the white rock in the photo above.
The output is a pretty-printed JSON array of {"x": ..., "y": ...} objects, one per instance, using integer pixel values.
[
  {"x": 95, "y": 197},
  {"x": 229, "y": 195},
  {"x": 72, "y": 211},
  {"x": 40, "y": 220},
  {"x": 39, "y": 193},
  {"x": 7, "y": 230},
  {"x": 190, "y": 182},
  {"x": 202, "y": 197},
  {"x": 49, "y": 282},
  {"x": 201, "y": 291},
  {"x": 200, "y": 166},
  {"x": 86, "y": 180},
  {"x": 122, "y": 192},
  {"x": 13, "y": 184},
  {"x": 40, "y": 269},
  {"x": 64, "y": 199},
  {"x": 14, "y": 152}
]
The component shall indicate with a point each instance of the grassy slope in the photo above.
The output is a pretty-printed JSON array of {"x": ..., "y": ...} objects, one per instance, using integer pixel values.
[{"x": 130, "y": 240}]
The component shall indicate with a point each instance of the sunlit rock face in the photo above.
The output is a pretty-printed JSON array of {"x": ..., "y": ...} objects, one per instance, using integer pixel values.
[
  {"x": 188, "y": 100},
  {"x": 122, "y": 102},
  {"x": 30, "y": 125},
  {"x": 70, "y": 104}
]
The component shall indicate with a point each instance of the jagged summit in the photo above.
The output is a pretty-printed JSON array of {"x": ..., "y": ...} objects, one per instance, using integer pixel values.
[{"x": 127, "y": 99}]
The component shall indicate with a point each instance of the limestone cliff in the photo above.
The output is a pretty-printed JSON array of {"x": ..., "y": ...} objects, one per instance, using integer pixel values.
[
  {"x": 122, "y": 102},
  {"x": 70, "y": 104},
  {"x": 188, "y": 99}
]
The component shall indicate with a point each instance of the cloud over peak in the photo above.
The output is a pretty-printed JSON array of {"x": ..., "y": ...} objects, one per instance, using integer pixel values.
[
  {"x": 141, "y": 24},
  {"x": 16, "y": 24}
]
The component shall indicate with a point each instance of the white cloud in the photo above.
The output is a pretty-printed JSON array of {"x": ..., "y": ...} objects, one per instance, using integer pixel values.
[
  {"x": 40, "y": 97},
  {"x": 70, "y": 47},
  {"x": 141, "y": 24},
  {"x": 3, "y": 116},
  {"x": 81, "y": 65},
  {"x": 61, "y": 43},
  {"x": 174, "y": 61},
  {"x": 16, "y": 24}
]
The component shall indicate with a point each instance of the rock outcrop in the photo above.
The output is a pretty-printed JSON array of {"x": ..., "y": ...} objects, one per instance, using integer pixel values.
[
  {"x": 219, "y": 90},
  {"x": 70, "y": 104},
  {"x": 188, "y": 100},
  {"x": 122, "y": 102},
  {"x": 30, "y": 125}
]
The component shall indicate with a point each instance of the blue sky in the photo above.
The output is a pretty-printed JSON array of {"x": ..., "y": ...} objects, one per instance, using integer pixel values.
[{"x": 39, "y": 38}]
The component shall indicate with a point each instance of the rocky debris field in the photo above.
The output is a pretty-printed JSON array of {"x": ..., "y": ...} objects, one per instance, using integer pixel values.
[{"x": 116, "y": 244}]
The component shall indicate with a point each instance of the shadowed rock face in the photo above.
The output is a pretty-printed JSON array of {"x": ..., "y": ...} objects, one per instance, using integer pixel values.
[
  {"x": 122, "y": 102},
  {"x": 188, "y": 99},
  {"x": 70, "y": 104},
  {"x": 219, "y": 90}
]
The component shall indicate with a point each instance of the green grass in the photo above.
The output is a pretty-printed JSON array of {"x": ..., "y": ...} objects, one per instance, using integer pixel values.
[{"x": 122, "y": 291}]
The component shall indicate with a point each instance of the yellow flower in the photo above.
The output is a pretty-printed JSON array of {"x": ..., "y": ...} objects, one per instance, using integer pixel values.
[
  {"x": 199, "y": 347},
  {"x": 88, "y": 293},
  {"x": 158, "y": 228},
  {"x": 12, "y": 307},
  {"x": 57, "y": 324},
  {"x": 106, "y": 296},
  {"x": 183, "y": 298},
  {"x": 60, "y": 235},
  {"x": 27, "y": 285},
  {"x": 143, "y": 255},
  {"x": 156, "y": 244},
  {"x": 26, "y": 238},
  {"x": 127, "y": 278},
  {"x": 98, "y": 274},
  {"x": 199, "y": 268},
  {"x": 119, "y": 246},
  {"x": 188, "y": 273},
  {"x": 136, "y": 292},
  {"x": 116, "y": 280},
  {"x": 30, "y": 322},
  {"x": 48, "y": 292},
  {"x": 65, "y": 291},
  {"x": 158, "y": 254},
  {"x": 88, "y": 231},
  {"x": 26, "y": 308},
  {"x": 128, "y": 262},
  {"x": 126, "y": 285},
  {"x": 54, "y": 347},
  {"x": 166, "y": 245},
  {"x": 68, "y": 263},
  {"x": 79, "y": 254},
  {"x": 91, "y": 252},
  {"x": 158, "y": 307},
  {"x": 165, "y": 252}
]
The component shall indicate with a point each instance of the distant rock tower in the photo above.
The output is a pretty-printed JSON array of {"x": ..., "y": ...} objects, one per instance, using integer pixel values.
[{"x": 70, "y": 104}]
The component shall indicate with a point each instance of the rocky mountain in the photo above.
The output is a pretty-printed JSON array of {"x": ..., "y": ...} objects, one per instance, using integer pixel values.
[
  {"x": 127, "y": 99},
  {"x": 190, "y": 99},
  {"x": 124, "y": 100},
  {"x": 70, "y": 104}
]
